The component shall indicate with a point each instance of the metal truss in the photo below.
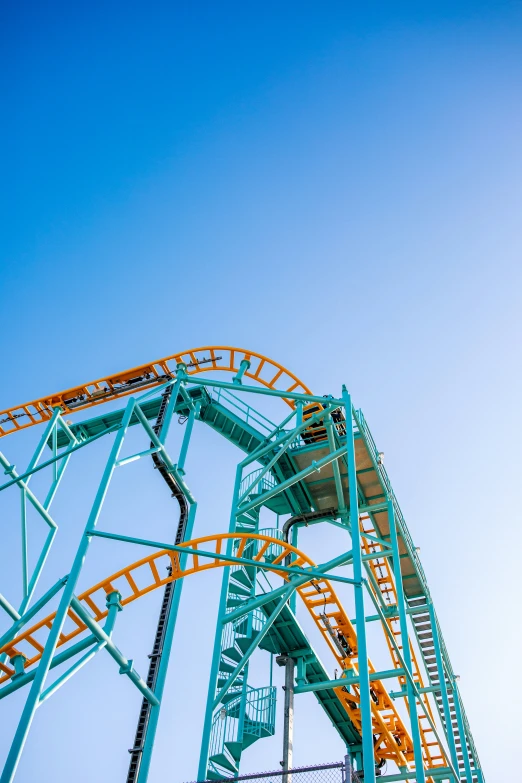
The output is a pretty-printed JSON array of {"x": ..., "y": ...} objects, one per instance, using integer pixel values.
[{"x": 319, "y": 466}]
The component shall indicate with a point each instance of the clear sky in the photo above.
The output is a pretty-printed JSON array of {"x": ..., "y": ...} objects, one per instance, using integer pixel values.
[{"x": 336, "y": 185}]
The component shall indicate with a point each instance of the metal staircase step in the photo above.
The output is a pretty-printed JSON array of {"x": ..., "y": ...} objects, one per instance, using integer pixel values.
[
  {"x": 242, "y": 577},
  {"x": 237, "y": 589},
  {"x": 233, "y": 653},
  {"x": 234, "y": 748},
  {"x": 248, "y": 739},
  {"x": 222, "y": 681},
  {"x": 234, "y": 602},
  {"x": 225, "y": 667},
  {"x": 221, "y": 760},
  {"x": 244, "y": 642},
  {"x": 211, "y": 775}
]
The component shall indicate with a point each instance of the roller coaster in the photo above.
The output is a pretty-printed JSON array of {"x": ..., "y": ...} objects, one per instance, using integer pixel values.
[{"x": 318, "y": 466}]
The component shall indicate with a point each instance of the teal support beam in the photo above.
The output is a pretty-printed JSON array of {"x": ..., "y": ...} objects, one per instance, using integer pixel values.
[
  {"x": 216, "y": 652},
  {"x": 22, "y": 620},
  {"x": 77, "y": 665},
  {"x": 56, "y": 457},
  {"x": 38, "y": 568},
  {"x": 171, "y": 405},
  {"x": 124, "y": 663},
  {"x": 29, "y": 583},
  {"x": 257, "y": 639},
  {"x": 33, "y": 698},
  {"x": 284, "y": 438},
  {"x": 23, "y": 536},
  {"x": 284, "y": 444},
  {"x": 285, "y": 395},
  {"x": 164, "y": 660},
  {"x": 406, "y": 652},
  {"x": 315, "y": 466},
  {"x": 114, "y": 607},
  {"x": 312, "y": 687},
  {"x": 243, "y": 367},
  {"x": 279, "y": 434},
  {"x": 49, "y": 429},
  {"x": 11, "y": 471},
  {"x": 58, "y": 659},
  {"x": 255, "y": 603},
  {"x": 11, "y": 611},
  {"x": 148, "y": 746},
  {"x": 315, "y": 572},
  {"x": 58, "y": 470},
  {"x": 362, "y": 652},
  {"x": 161, "y": 448},
  {"x": 341, "y": 505},
  {"x": 134, "y": 457},
  {"x": 404, "y": 694},
  {"x": 194, "y": 413},
  {"x": 295, "y": 536}
]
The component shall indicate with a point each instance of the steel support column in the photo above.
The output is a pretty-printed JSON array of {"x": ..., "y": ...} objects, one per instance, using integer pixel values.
[
  {"x": 35, "y": 692},
  {"x": 362, "y": 651},
  {"x": 148, "y": 746},
  {"x": 288, "y": 725},
  {"x": 216, "y": 652}
]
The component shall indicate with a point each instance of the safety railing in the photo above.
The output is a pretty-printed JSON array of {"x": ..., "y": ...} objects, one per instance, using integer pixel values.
[
  {"x": 259, "y": 718},
  {"x": 270, "y": 552},
  {"x": 266, "y": 483},
  {"x": 224, "y": 727},
  {"x": 260, "y": 710},
  {"x": 245, "y": 412}
]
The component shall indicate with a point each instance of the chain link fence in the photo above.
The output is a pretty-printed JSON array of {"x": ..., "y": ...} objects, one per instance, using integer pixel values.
[{"x": 323, "y": 773}]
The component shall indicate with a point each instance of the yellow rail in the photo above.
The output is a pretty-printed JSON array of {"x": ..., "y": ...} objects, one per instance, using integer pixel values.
[
  {"x": 111, "y": 387},
  {"x": 392, "y": 740}
]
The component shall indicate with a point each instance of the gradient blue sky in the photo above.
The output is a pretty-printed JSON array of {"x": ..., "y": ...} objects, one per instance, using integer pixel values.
[{"x": 336, "y": 185}]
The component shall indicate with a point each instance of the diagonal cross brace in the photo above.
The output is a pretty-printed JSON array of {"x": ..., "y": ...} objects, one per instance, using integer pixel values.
[
  {"x": 126, "y": 666},
  {"x": 255, "y": 643}
]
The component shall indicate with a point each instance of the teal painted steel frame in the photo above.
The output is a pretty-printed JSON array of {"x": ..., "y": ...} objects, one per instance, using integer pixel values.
[
  {"x": 362, "y": 649},
  {"x": 37, "y": 694},
  {"x": 406, "y": 653},
  {"x": 98, "y": 640},
  {"x": 216, "y": 650}
]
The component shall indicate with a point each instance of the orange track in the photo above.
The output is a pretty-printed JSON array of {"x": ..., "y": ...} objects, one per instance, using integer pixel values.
[
  {"x": 392, "y": 741},
  {"x": 111, "y": 387}
]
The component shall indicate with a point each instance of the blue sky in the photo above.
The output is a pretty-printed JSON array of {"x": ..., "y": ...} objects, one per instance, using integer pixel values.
[{"x": 334, "y": 185}]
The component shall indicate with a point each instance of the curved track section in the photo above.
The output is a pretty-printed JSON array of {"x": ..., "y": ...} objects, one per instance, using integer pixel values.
[
  {"x": 391, "y": 738},
  {"x": 136, "y": 580},
  {"x": 260, "y": 368}
]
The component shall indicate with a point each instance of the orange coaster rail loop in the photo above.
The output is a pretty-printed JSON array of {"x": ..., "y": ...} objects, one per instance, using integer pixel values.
[
  {"x": 391, "y": 737},
  {"x": 250, "y": 364}
]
